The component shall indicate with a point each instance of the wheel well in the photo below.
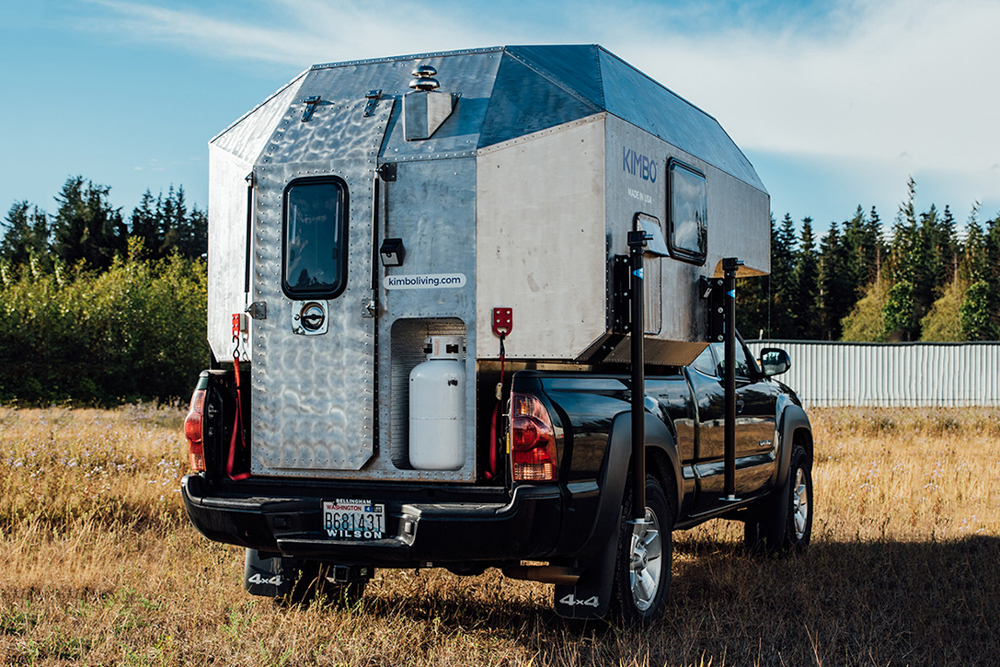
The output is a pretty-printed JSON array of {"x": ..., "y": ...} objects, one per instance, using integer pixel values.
[
  {"x": 659, "y": 466},
  {"x": 804, "y": 438}
]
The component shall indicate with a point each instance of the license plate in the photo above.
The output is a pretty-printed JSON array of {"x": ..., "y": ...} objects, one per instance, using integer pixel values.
[{"x": 350, "y": 519}]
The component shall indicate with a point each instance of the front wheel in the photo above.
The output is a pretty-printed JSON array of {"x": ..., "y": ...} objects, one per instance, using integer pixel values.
[
  {"x": 800, "y": 502},
  {"x": 645, "y": 554},
  {"x": 769, "y": 528}
]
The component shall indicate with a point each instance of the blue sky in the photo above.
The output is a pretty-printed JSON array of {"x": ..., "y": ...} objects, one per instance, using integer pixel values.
[{"x": 835, "y": 103}]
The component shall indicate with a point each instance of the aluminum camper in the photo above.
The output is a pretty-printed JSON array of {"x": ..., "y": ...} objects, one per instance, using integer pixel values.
[{"x": 424, "y": 275}]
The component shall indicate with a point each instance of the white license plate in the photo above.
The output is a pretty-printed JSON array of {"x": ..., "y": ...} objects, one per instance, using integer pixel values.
[{"x": 351, "y": 519}]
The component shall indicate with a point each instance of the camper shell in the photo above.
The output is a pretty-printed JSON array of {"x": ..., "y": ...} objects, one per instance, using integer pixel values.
[{"x": 465, "y": 214}]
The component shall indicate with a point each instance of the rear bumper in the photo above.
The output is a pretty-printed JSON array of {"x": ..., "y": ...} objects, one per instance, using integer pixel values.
[{"x": 526, "y": 527}]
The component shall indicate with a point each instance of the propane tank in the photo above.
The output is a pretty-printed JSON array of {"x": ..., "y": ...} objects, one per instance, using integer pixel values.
[{"x": 437, "y": 407}]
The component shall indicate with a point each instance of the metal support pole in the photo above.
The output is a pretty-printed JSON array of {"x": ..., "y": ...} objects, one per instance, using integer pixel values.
[
  {"x": 730, "y": 265},
  {"x": 636, "y": 244}
]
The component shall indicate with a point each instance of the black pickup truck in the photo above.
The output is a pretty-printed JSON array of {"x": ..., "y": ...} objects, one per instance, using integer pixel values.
[{"x": 553, "y": 487}]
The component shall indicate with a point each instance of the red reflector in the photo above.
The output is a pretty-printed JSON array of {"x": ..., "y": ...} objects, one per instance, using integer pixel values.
[
  {"x": 193, "y": 431},
  {"x": 532, "y": 441}
]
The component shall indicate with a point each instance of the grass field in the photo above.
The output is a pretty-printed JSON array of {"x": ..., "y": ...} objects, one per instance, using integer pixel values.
[{"x": 99, "y": 566}]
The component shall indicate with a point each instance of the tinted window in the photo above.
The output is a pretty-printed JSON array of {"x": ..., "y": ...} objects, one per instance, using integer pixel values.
[
  {"x": 688, "y": 213},
  {"x": 315, "y": 238},
  {"x": 742, "y": 366},
  {"x": 705, "y": 363}
]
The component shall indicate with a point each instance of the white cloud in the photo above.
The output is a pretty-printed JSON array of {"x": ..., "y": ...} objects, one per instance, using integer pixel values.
[{"x": 900, "y": 86}]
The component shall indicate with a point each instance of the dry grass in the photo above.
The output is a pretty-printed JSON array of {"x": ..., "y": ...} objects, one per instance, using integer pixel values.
[{"x": 100, "y": 566}]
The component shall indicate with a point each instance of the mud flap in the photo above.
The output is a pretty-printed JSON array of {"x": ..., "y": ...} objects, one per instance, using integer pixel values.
[
  {"x": 591, "y": 596},
  {"x": 270, "y": 576}
]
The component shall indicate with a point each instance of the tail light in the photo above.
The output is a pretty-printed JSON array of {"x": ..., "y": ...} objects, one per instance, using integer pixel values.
[
  {"x": 194, "y": 432},
  {"x": 532, "y": 440}
]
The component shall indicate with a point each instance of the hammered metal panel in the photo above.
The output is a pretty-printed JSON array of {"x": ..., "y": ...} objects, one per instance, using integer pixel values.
[
  {"x": 247, "y": 137},
  {"x": 314, "y": 396}
]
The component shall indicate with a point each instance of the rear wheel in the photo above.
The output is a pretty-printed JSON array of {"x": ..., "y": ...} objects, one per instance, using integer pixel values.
[{"x": 645, "y": 554}]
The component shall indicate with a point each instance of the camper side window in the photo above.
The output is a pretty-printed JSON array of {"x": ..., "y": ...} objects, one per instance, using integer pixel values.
[
  {"x": 688, "y": 197},
  {"x": 314, "y": 249}
]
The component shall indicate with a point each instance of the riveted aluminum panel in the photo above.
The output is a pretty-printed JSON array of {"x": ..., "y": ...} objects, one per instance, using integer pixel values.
[
  {"x": 891, "y": 374},
  {"x": 524, "y": 101},
  {"x": 248, "y": 136},
  {"x": 469, "y": 75},
  {"x": 314, "y": 396},
  {"x": 541, "y": 246},
  {"x": 738, "y": 226},
  {"x": 227, "y": 229},
  {"x": 575, "y": 67},
  {"x": 647, "y": 104},
  {"x": 431, "y": 206}
]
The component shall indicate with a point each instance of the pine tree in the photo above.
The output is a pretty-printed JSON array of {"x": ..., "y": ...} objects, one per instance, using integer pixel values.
[
  {"x": 906, "y": 264},
  {"x": 806, "y": 286},
  {"x": 836, "y": 284},
  {"x": 145, "y": 225},
  {"x": 85, "y": 228},
  {"x": 781, "y": 282},
  {"x": 26, "y": 236}
]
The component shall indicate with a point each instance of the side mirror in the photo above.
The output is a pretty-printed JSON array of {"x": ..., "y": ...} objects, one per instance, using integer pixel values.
[{"x": 774, "y": 361}]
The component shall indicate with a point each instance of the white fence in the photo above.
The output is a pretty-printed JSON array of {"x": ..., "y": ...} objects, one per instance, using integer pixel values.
[{"x": 891, "y": 374}]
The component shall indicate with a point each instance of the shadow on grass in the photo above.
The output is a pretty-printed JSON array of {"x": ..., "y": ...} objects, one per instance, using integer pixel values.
[
  {"x": 854, "y": 603},
  {"x": 871, "y": 603}
]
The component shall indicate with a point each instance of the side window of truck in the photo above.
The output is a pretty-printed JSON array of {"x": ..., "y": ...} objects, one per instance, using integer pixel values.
[
  {"x": 705, "y": 363},
  {"x": 314, "y": 243},
  {"x": 742, "y": 365}
]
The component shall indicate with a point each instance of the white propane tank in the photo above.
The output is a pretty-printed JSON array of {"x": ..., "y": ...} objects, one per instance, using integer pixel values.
[{"x": 437, "y": 407}]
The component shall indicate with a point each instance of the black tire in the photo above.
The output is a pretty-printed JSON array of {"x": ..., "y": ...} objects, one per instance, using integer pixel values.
[
  {"x": 312, "y": 582},
  {"x": 642, "y": 583},
  {"x": 772, "y": 530}
]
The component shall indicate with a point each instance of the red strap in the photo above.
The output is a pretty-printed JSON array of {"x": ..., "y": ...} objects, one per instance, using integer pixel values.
[{"x": 238, "y": 422}]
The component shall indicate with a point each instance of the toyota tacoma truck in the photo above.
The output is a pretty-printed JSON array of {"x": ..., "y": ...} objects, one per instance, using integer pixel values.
[{"x": 476, "y": 309}]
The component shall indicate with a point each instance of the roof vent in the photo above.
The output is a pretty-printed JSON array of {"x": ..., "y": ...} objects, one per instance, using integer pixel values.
[
  {"x": 425, "y": 107},
  {"x": 424, "y": 78}
]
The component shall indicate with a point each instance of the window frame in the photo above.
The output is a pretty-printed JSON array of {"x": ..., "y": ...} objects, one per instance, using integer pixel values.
[
  {"x": 676, "y": 251},
  {"x": 342, "y": 228}
]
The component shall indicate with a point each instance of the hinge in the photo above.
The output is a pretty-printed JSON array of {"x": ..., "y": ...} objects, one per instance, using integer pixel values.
[
  {"x": 373, "y": 96},
  {"x": 311, "y": 104}
]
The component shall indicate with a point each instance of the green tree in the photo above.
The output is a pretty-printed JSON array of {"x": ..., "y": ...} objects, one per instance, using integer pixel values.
[
  {"x": 973, "y": 265},
  {"x": 942, "y": 323},
  {"x": 898, "y": 313},
  {"x": 977, "y": 315},
  {"x": 862, "y": 250},
  {"x": 865, "y": 323},
  {"x": 805, "y": 277},
  {"x": 26, "y": 235},
  {"x": 836, "y": 284},
  {"x": 166, "y": 225},
  {"x": 782, "y": 281},
  {"x": 86, "y": 228}
]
